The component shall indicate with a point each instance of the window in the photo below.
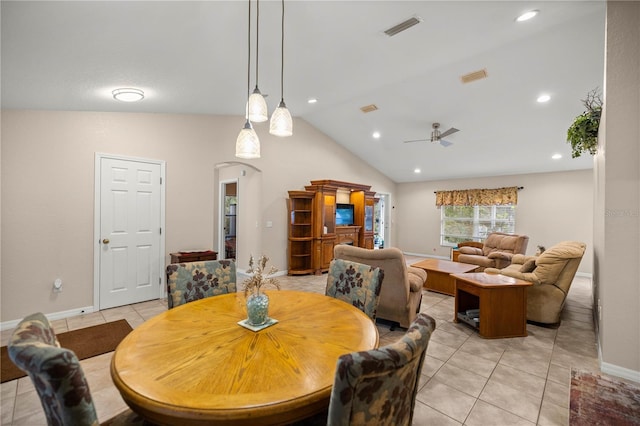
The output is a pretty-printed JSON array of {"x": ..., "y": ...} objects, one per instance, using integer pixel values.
[{"x": 474, "y": 223}]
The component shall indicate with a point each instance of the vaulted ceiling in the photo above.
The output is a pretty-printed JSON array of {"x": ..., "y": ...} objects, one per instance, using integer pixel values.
[{"x": 191, "y": 57}]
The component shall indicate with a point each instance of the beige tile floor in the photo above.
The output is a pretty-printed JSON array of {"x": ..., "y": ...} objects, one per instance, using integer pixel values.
[{"x": 465, "y": 379}]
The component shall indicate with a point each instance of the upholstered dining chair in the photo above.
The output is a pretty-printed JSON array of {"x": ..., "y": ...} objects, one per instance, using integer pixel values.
[
  {"x": 191, "y": 281},
  {"x": 356, "y": 284},
  {"x": 57, "y": 376},
  {"x": 379, "y": 386}
]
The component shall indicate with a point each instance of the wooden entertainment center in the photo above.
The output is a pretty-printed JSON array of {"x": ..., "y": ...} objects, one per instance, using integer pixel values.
[{"x": 312, "y": 225}]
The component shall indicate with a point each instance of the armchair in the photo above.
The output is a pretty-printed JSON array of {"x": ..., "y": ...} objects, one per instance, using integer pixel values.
[
  {"x": 496, "y": 251},
  {"x": 551, "y": 274},
  {"x": 401, "y": 293}
]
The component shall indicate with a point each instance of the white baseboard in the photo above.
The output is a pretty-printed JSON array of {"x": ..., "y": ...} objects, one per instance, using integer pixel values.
[
  {"x": 7, "y": 325},
  {"x": 615, "y": 370}
]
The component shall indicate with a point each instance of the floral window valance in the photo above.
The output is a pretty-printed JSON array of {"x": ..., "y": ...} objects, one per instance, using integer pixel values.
[{"x": 477, "y": 197}]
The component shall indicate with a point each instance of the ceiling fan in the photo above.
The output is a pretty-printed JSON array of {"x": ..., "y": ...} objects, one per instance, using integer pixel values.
[{"x": 436, "y": 136}]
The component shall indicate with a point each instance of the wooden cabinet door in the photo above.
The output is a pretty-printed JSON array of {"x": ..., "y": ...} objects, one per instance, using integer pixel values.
[{"x": 327, "y": 253}]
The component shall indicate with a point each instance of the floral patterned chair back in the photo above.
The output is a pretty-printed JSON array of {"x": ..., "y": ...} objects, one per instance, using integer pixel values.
[
  {"x": 379, "y": 386},
  {"x": 57, "y": 376},
  {"x": 54, "y": 371},
  {"x": 356, "y": 284},
  {"x": 191, "y": 281}
]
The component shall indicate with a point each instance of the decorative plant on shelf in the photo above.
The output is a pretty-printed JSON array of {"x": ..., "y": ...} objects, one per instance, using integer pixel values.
[
  {"x": 583, "y": 133},
  {"x": 258, "y": 303}
]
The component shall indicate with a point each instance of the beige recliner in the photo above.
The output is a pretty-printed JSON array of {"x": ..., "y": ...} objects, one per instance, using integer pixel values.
[
  {"x": 551, "y": 274},
  {"x": 401, "y": 291},
  {"x": 496, "y": 252}
]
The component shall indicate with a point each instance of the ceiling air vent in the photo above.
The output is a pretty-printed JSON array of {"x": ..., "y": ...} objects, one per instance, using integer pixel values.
[
  {"x": 473, "y": 76},
  {"x": 368, "y": 108},
  {"x": 414, "y": 20}
]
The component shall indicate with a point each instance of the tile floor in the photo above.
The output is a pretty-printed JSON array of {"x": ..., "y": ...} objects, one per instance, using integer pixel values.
[{"x": 466, "y": 380}]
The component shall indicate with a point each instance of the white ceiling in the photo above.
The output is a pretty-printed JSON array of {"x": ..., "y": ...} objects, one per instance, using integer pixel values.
[{"x": 191, "y": 57}]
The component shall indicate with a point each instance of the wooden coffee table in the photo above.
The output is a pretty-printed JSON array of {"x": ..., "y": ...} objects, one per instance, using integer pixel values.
[
  {"x": 502, "y": 302},
  {"x": 439, "y": 274}
]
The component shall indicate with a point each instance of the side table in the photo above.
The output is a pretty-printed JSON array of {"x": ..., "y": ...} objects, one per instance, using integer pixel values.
[
  {"x": 501, "y": 301},
  {"x": 193, "y": 256}
]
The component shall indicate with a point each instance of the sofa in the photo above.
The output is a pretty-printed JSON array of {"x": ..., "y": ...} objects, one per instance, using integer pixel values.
[
  {"x": 551, "y": 273},
  {"x": 496, "y": 251},
  {"x": 401, "y": 291}
]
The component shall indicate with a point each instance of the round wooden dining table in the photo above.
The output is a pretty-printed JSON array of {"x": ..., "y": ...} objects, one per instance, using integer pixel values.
[{"x": 195, "y": 365}]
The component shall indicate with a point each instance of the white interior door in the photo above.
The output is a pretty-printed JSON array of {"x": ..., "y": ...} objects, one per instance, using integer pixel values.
[{"x": 129, "y": 241}]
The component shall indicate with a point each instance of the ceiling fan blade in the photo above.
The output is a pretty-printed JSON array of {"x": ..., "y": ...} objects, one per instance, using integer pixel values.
[
  {"x": 448, "y": 132},
  {"x": 445, "y": 143},
  {"x": 417, "y": 140}
]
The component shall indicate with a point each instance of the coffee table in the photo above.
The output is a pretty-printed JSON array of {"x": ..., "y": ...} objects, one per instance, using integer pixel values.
[
  {"x": 502, "y": 302},
  {"x": 439, "y": 274}
]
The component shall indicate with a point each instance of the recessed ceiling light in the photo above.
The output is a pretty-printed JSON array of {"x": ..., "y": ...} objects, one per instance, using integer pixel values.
[
  {"x": 556, "y": 156},
  {"x": 527, "y": 15},
  {"x": 417, "y": 170},
  {"x": 376, "y": 135},
  {"x": 312, "y": 100},
  {"x": 128, "y": 94},
  {"x": 543, "y": 98}
]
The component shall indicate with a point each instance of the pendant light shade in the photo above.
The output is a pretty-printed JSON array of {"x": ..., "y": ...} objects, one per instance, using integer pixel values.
[
  {"x": 257, "y": 107},
  {"x": 247, "y": 143},
  {"x": 281, "y": 122}
]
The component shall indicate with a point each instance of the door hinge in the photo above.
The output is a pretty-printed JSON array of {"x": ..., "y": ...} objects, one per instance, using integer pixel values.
[
  {"x": 159, "y": 281},
  {"x": 160, "y": 181},
  {"x": 160, "y": 231}
]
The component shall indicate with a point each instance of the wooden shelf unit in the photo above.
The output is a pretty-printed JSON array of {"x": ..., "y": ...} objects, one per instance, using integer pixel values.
[
  {"x": 316, "y": 246},
  {"x": 300, "y": 207}
]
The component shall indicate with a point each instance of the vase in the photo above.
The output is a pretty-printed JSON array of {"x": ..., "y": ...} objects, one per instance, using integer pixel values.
[{"x": 258, "y": 309}]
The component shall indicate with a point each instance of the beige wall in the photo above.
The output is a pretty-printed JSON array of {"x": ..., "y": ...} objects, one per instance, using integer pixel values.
[
  {"x": 552, "y": 207},
  {"x": 48, "y": 191},
  {"x": 617, "y": 199}
]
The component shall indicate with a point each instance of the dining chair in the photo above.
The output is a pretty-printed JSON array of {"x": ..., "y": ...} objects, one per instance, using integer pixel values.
[
  {"x": 356, "y": 284},
  {"x": 57, "y": 376},
  {"x": 378, "y": 387},
  {"x": 191, "y": 281}
]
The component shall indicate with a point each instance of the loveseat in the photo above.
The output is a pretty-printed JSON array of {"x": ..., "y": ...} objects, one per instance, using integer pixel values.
[
  {"x": 401, "y": 291},
  {"x": 496, "y": 252},
  {"x": 551, "y": 274}
]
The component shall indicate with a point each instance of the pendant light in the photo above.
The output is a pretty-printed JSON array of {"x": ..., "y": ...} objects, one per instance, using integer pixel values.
[
  {"x": 248, "y": 144},
  {"x": 257, "y": 105},
  {"x": 281, "y": 122}
]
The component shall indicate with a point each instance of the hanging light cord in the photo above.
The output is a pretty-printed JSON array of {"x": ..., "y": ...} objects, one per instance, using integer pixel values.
[
  {"x": 282, "y": 57},
  {"x": 249, "y": 59},
  {"x": 257, "y": 37}
]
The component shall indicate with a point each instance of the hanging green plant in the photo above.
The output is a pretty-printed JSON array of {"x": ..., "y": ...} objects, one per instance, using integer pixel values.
[{"x": 583, "y": 133}]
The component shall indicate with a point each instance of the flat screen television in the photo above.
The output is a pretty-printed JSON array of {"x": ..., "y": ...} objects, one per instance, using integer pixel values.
[{"x": 344, "y": 214}]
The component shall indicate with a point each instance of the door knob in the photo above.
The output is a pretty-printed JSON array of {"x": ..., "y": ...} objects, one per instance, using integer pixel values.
[{"x": 105, "y": 241}]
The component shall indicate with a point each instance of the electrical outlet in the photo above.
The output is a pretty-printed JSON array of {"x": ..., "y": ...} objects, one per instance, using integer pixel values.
[{"x": 57, "y": 285}]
